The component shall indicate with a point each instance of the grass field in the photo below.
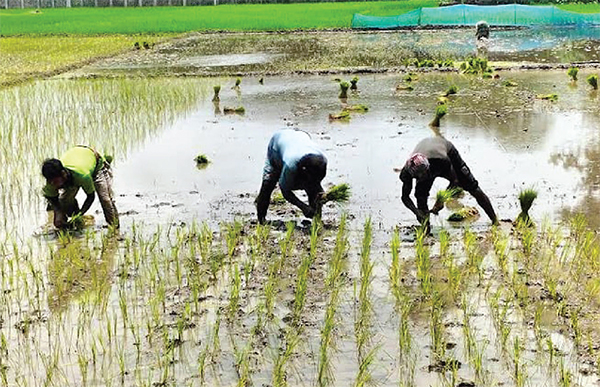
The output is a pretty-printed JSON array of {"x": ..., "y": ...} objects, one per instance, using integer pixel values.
[{"x": 247, "y": 17}]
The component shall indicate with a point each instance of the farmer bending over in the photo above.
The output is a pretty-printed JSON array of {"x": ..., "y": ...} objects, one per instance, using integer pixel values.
[
  {"x": 79, "y": 167},
  {"x": 437, "y": 157},
  {"x": 296, "y": 162}
]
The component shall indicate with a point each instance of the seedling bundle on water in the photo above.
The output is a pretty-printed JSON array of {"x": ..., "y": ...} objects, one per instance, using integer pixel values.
[
  {"x": 234, "y": 110},
  {"x": 201, "y": 159},
  {"x": 344, "y": 90},
  {"x": 451, "y": 90},
  {"x": 592, "y": 80},
  {"x": 353, "y": 83},
  {"x": 548, "y": 97},
  {"x": 440, "y": 111},
  {"x": 356, "y": 108},
  {"x": 572, "y": 73}
]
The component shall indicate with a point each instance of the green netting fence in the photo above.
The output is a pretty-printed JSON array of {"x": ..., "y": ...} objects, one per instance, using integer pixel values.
[{"x": 464, "y": 14}]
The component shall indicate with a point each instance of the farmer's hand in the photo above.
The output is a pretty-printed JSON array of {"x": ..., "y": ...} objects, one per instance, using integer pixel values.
[
  {"x": 308, "y": 211},
  {"x": 437, "y": 207}
]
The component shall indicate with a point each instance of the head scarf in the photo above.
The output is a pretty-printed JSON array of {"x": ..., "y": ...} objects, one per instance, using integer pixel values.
[{"x": 417, "y": 164}]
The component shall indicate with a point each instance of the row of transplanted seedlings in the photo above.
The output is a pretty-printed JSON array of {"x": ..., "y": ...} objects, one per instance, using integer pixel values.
[
  {"x": 38, "y": 120},
  {"x": 157, "y": 307}
]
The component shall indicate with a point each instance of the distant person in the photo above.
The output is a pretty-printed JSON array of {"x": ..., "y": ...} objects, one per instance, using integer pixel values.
[
  {"x": 79, "y": 167},
  {"x": 296, "y": 163},
  {"x": 482, "y": 30},
  {"x": 437, "y": 157},
  {"x": 482, "y": 34}
]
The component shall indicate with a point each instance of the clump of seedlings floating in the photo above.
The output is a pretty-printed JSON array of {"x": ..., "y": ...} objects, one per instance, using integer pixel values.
[
  {"x": 592, "y": 80},
  {"x": 440, "y": 112},
  {"x": 572, "y": 73},
  {"x": 509, "y": 83},
  {"x": 463, "y": 213},
  {"x": 343, "y": 116},
  {"x": 201, "y": 161},
  {"x": 453, "y": 89},
  {"x": 240, "y": 110},
  {"x": 548, "y": 97},
  {"x": 356, "y": 108},
  {"x": 261, "y": 81},
  {"x": 407, "y": 82},
  {"x": 344, "y": 86},
  {"x": 217, "y": 90},
  {"x": 238, "y": 82},
  {"x": 353, "y": 83},
  {"x": 526, "y": 198}
]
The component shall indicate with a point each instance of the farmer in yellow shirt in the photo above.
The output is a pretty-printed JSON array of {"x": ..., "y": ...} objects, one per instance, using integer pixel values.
[{"x": 80, "y": 167}]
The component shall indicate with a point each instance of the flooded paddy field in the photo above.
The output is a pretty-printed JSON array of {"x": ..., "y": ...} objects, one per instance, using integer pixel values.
[{"x": 192, "y": 292}]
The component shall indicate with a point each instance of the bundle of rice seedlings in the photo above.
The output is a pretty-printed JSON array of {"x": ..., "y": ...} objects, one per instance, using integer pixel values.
[
  {"x": 76, "y": 222},
  {"x": 526, "y": 198},
  {"x": 217, "y": 89},
  {"x": 343, "y": 116},
  {"x": 463, "y": 213},
  {"x": 592, "y": 80},
  {"x": 344, "y": 90},
  {"x": 404, "y": 88},
  {"x": 440, "y": 111},
  {"x": 356, "y": 108},
  {"x": 261, "y": 81},
  {"x": 338, "y": 193},
  {"x": 572, "y": 73},
  {"x": 234, "y": 110},
  {"x": 201, "y": 159},
  {"x": 451, "y": 90},
  {"x": 509, "y": 83},
  {"x": 278, "y": 198},
  {"x": 446, "y": 194},
  {"x": 549, "y": 97},
  {"x": 238, "y": 81},
  {"x": 353, "y": 83}
]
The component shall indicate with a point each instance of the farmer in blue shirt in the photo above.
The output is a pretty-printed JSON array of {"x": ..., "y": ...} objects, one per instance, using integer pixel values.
[{"x": 295, "y": 162}]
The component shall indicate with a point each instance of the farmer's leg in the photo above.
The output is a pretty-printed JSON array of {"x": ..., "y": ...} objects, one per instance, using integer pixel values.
[{"x": 103, "y": 184}]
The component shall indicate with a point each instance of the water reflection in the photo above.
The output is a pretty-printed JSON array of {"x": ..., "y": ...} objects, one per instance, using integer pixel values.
[{"x": 80, "y": 268}]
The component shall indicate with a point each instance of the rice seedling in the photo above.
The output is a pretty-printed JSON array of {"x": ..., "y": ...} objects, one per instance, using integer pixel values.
[
  {"x": 339, "y": 193},
  {"x": 453, "y": 89},
  {"x": 440, "y": 112},
  {"x": 423, "y": 263},
  {"x": 565, "y": 378},
  {"x": 261, "y": 80},
  {"x": 520, "y": 373},
  {"x": 238, "y": 82},
  {"x": 284, "y": 354},
  {"x": 549, "y": 97},
  {"x": 592, "y": 80},
  {"x": 572, "y": 73},
  {"x": 364, "y": 314},
  {"x": 217, "y": 90},
  {"x": 344, "y": 90},
  {"x": 353, "y": 83},
  {"x": 239, "y": 110},
  {"x": 356, "y": 108},
  {"x": 526, "y": 198},
  {"x": 475, "y": 66}
]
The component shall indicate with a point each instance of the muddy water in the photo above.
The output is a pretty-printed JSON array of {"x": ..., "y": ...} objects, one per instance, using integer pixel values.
[{"x": 510, "y": 139}]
